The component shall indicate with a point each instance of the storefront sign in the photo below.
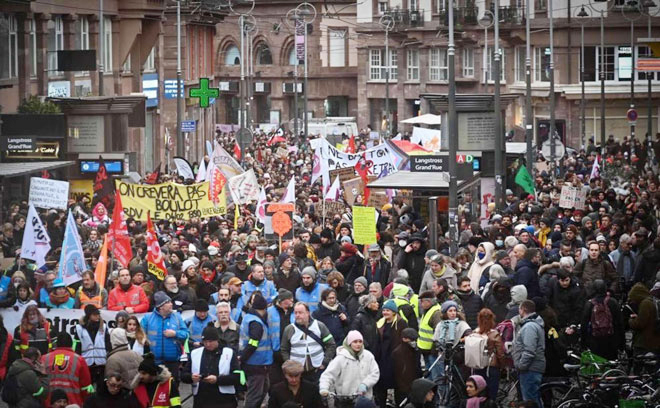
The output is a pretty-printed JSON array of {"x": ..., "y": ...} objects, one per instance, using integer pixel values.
[
  {"x": 428, "y": 164},
  {"x": 27, "y": 147}
]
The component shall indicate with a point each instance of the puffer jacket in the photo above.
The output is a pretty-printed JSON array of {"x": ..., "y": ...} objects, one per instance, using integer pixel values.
[
  {"x": 365, "y": 321},
  {"x": 498, "y": 298},
  {"x": 449, "y": 274},
  {"x": 125, "y": 362},
  {"x": 330, "y": 318},
  {"x": 529, "y": 345},
  {"x": 165, "y": 348},
  {"x": 479, "y": 266},
  {"x": 472, "y": 304},
  {"x": 645, "y": 337},
  {"x": 30, "y": 383},
  {"x": 527, "y": 274},
  {"x": 568, "y": 303},
  {"x": 347, "y": 371}
]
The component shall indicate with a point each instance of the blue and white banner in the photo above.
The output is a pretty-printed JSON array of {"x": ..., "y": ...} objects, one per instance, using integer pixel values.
[{"x": 72, "y": 259}]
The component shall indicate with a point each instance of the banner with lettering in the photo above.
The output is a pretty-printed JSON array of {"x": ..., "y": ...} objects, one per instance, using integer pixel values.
[
  {"x": 168, "y": 201},
  {"x": 79, "y": 189},
  {"x": 378, "y": 158}
]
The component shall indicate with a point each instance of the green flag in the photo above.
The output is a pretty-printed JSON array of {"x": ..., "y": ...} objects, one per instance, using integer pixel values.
[{"x": 524, "y": 180}]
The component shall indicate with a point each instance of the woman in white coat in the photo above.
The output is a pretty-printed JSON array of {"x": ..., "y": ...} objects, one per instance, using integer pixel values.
[{"x": 353, "y": 372}]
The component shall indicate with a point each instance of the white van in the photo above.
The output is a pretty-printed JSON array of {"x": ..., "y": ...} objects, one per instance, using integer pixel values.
[{"x": 332, "y": 128}]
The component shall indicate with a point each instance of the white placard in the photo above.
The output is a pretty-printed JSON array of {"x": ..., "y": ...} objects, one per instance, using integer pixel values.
[
  {"x": 428, "y": 138},
  {"x": 573, "y": 197},
  {"x": 46, "y": 193}
]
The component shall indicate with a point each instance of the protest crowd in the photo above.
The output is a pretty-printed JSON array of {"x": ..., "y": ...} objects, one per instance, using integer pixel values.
[{"x": 273, "y": 295}]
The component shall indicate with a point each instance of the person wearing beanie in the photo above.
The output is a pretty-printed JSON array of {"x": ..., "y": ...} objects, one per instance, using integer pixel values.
[
  {"x": 476, "y": 390},
  {"x": 67, "y": 371},
  {"x": 154, "y": 385},
  {"x": 365, "y": 321},
  {"x": 127, "y": 296},
  {"x": 349, "y": 263},
  {"x": 58, "y": 398},
  {"x": 197, "y": 322},
  {"x": 279, "y": 315},
  {"x": 213, "y": 372},
  {"x": 438, "y": 269},
  {"x": 377, "y": 268},
  {"x": 390, "y": 328},
  {"x": 122, "y": 360},
  {"x": 329, "y": 247},
  {"x": 310, "y": 290},
  {"x": 352, "y": 302},
  {"x": 407, "y": 365},
  {"x": 451, "y": 329},
  {"x": 93, "y": 341},
  {"x": 294, "y": 391},
  {"x": 353, "y": 371},
  {"x": 166, "y": 331}
]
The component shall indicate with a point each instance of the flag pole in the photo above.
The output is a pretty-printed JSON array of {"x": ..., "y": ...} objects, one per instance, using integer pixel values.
[{"x": 323, "y": 225}]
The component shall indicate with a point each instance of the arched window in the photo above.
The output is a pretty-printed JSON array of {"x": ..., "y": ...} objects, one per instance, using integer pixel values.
[
  {"x": 263, "y": 55},
  {"x": 292, "y": 55},
  {"x": 232, "y": 55}
]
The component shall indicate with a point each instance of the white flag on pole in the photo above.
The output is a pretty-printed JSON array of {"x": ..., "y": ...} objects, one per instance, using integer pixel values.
[
  {"x": 36, "y": 242},
  {"x": 290, "y": 193},
  {"x": 261, "y": 206},
  {"x": 201, "y": 171},
  {"x": 333, "y": 192}
]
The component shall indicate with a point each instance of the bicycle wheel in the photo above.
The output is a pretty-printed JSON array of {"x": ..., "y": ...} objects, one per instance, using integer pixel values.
[
  {"x": 507, "y": 393},
  {"x": 578, "y": 403},
  {"x": 450, "y": 397},
  {"x": 553, "y": 395}
]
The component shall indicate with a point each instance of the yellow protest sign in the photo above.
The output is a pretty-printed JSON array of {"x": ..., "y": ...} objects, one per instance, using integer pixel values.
[
  {"x": 79, "y": 189},
  {"x": 364, "y": 225},
  {"x": 169, "y": 201}
]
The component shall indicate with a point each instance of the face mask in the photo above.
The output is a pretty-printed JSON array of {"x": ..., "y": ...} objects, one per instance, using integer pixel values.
[
  {"x": 499, "y": 243},
  {"x": 413, "y": 344},
  {"x": 402, "y": 243},
  {"x": 481, "y": 255}
]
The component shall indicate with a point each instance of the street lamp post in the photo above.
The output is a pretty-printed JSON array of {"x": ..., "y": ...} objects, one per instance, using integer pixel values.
[
  {"x": 582, "y": 14},
  {"x": 499, "y": 140},
  {"x": 529, "y": 120},
  {"x": 553, "y": 154},
  {"x": 452, "y": 127},
  {"x": 180, "y": 143},
  {"x": 486, "y": 22},
  {"x": 387, "y": 22},
  {"x": 645, "y": 9},
  {"x": 632, "y": 19}
]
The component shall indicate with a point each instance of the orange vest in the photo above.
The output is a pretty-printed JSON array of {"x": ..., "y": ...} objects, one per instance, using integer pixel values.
[
  {"x": 160, "y": 399},
  {"x": 86, "y": 300}
]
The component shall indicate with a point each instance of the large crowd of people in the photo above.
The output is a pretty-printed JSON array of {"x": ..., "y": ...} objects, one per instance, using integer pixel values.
[{"x": 321, "y": 319}]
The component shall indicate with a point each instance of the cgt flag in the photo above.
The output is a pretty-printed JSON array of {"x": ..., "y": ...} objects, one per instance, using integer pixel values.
[
  {"x": 103, "y": 187},
  {"x": 36, "y": 242},
  {"x": 155, "y": 262},
  {"x": 118, "y": 234}
]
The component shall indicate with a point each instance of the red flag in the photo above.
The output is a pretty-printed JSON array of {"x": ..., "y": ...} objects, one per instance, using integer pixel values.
[
  {"x": 118, "y": 234},
  {"x": 155, "y": 262},
  {"x": 351, "y": 145},
  {"x": 237, "y": 151},
  {"x": 154, "y": 176},
  {"x": 102, "y": 264},
  {"x": 103, "y": 186}
]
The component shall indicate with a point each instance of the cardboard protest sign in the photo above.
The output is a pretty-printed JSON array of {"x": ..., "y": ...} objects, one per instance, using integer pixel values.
[
  {"x": 47, "y": 193},
  {"x": 344, "y": 174},
  {"x": 572, "y": 197},
  {"x": 279, "y": 221},
  {"x": 282, "y": 152},
  {"x": 334, "y": 207},
  {"x": 377, "y": 200},
  {"x": 79, "y": 189},
  {"x": 352, "y": 189},
  {"x": 168, "y": 201},
  {"x": 364, "y": 225}
]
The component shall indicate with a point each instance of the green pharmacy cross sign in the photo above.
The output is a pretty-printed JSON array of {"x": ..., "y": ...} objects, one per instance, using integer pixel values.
[{"x": 204, "y": 93}]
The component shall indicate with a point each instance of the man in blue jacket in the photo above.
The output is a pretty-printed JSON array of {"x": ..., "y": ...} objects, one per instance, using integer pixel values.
[
  {"x": 527, "y": 272},
  {"x": 167, "y": 333}
]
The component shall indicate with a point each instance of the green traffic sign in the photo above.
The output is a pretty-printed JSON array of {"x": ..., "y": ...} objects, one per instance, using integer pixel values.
[{"x": 204, "y": 93}]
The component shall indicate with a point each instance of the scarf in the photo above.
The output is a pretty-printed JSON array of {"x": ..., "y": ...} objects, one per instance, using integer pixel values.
[
  {"x": 442, "y": 272},
  {"x": 327, "y": 306},
  {"x": 130, "y": 335},
  {"x": 448, "y": 330},
  {"x": 474, "y": 402},
  {"x": 125, "y": 288},
  {"x": 59, "y": 299}
]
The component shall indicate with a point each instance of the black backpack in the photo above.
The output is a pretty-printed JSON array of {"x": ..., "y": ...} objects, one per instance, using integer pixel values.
[{"x": 10, "y": 390}]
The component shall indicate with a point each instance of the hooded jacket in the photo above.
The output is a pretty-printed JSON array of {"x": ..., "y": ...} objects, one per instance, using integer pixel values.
[
  {"x": 567, "y": 303},
  {"x": 498, "y": 298},
  {"x": 479, "y": 266},
  {"x": 529, "y": 345},
  {"x": 646, "y": 337},
  {"x": 32, "y": 386},
  {"x": 448, "y": 273},
  {"x": 348, "y": 370},
  {"x": 124, "y": 362},
  {"x": 527, "y": 274},
  {"x": 418, "y": 390}
]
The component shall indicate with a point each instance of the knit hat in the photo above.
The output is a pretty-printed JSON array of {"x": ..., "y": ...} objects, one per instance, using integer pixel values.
[
  {"x": 417, "y": 237},
  {"x": 496, "y": 271},
  {"x": 148, "y": 365},
  {"x": 58, "y": 283},
  {"x": 430, "y": 253},
  {"x": 118, "y": 337},
  {"x": 585, "y": 219},
  {"x": 518, "y": 294},
  {"x": 352, "y": 336},
  {"x": 259, "y": 303},
  {"x": 64, "y": 339},
  {"x": 210, "y": 333},
  {"x": 446, "y": 305},
  {"x": 499, "y": 255},
  {"x": 58, "y": 394},
  {"x": 284, "y": 294},
  {"x": 122, "y": 313},
  {"x": 213, "y": 250},
  {"x": 310, "y": 271},
  {"x": 160, "y": 298},
  {"x": 479, "y": 382},
  {"x": 409, "y": 333},
  {"x": 201, "y": 306},
  {"x": 510, "y": 241},
  {"x": 91, "y": 309},
  {"x": 362, "y": 281},
  {"x": 327, "y": 233},
  {"x": 391, "y": 305},
  {"x": 187, "y": 264},
  {"x": 374, "y": 248},
  {"x": 437, "y": 258},
  {"x": 348, "y": 248}
]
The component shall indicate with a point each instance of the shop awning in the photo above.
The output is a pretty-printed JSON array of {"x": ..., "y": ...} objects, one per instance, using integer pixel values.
[
  {"x": 408, "y": 180},
  {"x": 24, "y": 168}
]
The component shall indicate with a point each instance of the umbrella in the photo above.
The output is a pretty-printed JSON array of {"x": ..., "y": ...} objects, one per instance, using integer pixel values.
[
  {"x": 409, "y": 147},
  {"x": 426, "y": 119}
]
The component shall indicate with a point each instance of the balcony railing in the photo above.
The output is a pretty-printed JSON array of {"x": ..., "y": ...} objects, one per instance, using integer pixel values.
[
  {"x": 407, "y": 18},
  {"x": 510, "y": 14},
  {"x": 462, "y": 15}
]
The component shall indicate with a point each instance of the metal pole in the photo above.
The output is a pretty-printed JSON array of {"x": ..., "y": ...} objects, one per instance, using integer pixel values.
[
  {"x": 529, "y": 120},
  {"x": 295, "y": 90},
  {"x": 248, "y": 82},
  {"x": 453, "y": 137},
  {"x": 632, "y": 83},
  {"x": 305, "y": 87},
  {"x": 553, "y": 147},
  {"x": 583, "y": 125},
  {"x": 499, "y": 182},
  {"x": 180, "y": 148},
  {"x": 602, "y": 89},
  {"x": 433, "y": 222},
  {"x": 241, "y": 24},
  {"x": 650, "y": 104},
  {"x": 101, "y": 48},
  {"x": 485, "y": 67},
  {"x": 388, "y": 61}
]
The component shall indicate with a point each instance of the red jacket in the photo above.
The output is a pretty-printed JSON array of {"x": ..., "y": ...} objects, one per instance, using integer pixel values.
[
  {"x": 134, "y": 297},
  {"x": 4, "y": 358},
  {"x": 68, "y": 371}
]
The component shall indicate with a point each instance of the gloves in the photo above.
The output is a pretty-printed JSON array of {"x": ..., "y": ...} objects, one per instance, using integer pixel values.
[
  {"x": 362, "y": 389},
  {"x": 324, "y": 393}
]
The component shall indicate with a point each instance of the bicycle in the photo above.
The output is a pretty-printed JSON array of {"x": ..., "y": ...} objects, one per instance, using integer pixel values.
[{"x": 451, "y": 385}]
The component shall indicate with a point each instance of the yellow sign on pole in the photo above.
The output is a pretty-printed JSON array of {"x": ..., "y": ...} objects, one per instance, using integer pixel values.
[{"x": 364, "y": 225}]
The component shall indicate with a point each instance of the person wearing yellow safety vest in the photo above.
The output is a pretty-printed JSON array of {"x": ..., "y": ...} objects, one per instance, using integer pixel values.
[
  {"x": 154, "y": 385},
  {"x": 90, "y": 293},
  {"x": 30, "y": 379},
  {"x": 430, "y": 319},
  {"x": 67, "y": 371},
  {"x": 213, "y": 372},
  {"x": 406, "y": 303}
]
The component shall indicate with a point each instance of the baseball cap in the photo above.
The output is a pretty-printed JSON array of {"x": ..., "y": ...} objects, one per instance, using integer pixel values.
[{"x": 234, "y": 281}]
